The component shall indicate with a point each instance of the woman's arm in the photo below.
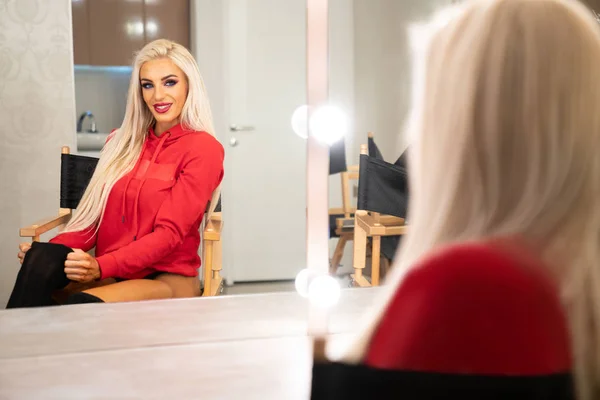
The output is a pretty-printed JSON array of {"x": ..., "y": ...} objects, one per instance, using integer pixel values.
[
  {"x": 84, "y": 240},
  {"x": 184, "y": 206}
]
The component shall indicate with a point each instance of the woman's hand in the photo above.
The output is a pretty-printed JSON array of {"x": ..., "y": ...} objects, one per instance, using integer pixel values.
[
  {"x": 81, "y": 267},
  {"x": 23, "y": 248}
]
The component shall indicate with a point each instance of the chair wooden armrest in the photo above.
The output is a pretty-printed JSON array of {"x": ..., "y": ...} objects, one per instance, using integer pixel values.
[
  {"x": 367, "y": 223},
  {"x": 390, "y": 220},
  {"x": 44, "y": 225},
  {"x": 213, "y": 228}
]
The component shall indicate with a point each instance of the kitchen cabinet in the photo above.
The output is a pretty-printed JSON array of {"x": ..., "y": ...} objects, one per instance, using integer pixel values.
[
  {"x": 593, "y": 4},
  {"x": 168, "y": 19},
  {"x": 116, "y": 31},
  {"x": 81, "y": 33},
  {"x": 109, "y": 32}
]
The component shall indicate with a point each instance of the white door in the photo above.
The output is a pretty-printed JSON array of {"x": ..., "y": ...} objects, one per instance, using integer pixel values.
[{"x": 264, "y": 197}]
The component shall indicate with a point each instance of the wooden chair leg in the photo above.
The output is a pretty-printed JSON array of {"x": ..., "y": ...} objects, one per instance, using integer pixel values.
[
  {"x": 208, "y": 262},
  {"x": 385, "y": 266},
  {"x": 360, "y": 256},
  {"x": 375, "y": 260},
  {"x": 338, "y": 254},
  {"x": 217, "y": 263}
]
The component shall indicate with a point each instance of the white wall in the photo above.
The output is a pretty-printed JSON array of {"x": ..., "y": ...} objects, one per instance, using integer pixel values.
[
  {"x": 370, "y": 76},
  {"x": 238, "y": 88},
  {"x": 208, "y": 46},
  {"x": 369, "y": 70},
  {"x": 382, "y": 66},
  {"x": 37, "y": 110}
]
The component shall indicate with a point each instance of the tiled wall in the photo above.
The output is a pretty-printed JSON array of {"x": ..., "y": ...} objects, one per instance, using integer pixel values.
[{"x": 37, "y": 117}]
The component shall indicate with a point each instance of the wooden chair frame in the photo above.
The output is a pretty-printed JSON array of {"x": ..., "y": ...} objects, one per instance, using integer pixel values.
[
  {"x": 212, "y": 251},
  {"x": 347, "y": 210},
  {"x": 374, "y": 225},
  {"x": 211, "y": 244}
]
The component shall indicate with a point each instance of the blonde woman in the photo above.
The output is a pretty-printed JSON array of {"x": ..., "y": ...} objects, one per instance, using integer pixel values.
[
  {"x": 499, "y": 275},
  {"x": 144, "y": 205}
]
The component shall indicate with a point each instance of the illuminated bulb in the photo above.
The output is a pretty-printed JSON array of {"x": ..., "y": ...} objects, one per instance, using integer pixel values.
[
  {"x": 329, "y": 124},
  {"x": 300, "y": 121},
  {"x": 303, "y": 281},
  {"x": 135, "y": 28},
  {"x": 324, "y": 291},
  {"x": 151, "y": 28}
]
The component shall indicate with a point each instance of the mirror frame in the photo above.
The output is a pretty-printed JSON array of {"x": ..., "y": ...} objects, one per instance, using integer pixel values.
[{"x": 317, "y": 154}]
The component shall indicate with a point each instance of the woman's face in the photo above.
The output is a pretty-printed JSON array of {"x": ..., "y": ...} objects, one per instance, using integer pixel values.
[{"x": 164, "y": 88}]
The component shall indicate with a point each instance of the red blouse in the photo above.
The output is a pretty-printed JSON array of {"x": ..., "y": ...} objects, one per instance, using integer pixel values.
[{"x": 477, "y": 309}]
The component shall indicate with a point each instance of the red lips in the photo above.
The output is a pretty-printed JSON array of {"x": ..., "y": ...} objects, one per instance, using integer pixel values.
[{"x": 162, "y": 108}]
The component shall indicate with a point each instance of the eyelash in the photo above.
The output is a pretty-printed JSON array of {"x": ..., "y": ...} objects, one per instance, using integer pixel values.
[{"x": 168, "y": 83}]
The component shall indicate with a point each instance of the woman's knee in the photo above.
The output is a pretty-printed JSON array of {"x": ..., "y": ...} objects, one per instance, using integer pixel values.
[{"x": 44, "y": 263}]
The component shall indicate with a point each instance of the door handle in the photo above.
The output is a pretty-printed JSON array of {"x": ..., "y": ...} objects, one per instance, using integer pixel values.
[
  {"x": 233, "y": 142},
  {"x": 239, "y": 128}
]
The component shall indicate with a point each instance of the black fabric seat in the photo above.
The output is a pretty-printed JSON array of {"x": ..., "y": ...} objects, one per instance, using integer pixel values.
[
  {"x": 337, "y": 381},
  {"x": 390, "y": 244},
  {"x": 332, "y": 225},
  {"x": 75, "y": 175},
  {"x": 382, "y": 187},
  {"x": 337, "y": 164},
  {"x": 337, "y": 157}
]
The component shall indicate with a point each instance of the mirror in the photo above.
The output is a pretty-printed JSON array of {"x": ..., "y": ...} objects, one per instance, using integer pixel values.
[
  {"x": 370, "y": 80},
  {"x": 252, "y": 56}
]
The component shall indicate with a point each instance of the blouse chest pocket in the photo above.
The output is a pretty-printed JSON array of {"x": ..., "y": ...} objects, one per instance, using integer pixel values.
[{"x": 161, "y": 177}]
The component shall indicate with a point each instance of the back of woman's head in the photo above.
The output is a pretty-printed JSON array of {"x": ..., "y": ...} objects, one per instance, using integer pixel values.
[
  {"x": 504, "y": 130},
  {"x": 505, "y": 121}
]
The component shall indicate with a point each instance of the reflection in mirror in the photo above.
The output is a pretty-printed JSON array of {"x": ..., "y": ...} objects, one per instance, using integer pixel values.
[
  {"x": 148, "y": 201},
  {"x": 370, "y": 80}
]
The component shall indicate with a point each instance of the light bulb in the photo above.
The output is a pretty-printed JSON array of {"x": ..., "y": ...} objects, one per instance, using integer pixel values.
[
  {"x": 135, "y": 28},
  {"x": 303, "y": 281},
  {"x": 152, "y": 28},
  {"x": 324, "y": 291},
  {"x": 329, "y": 124},
  {"x": 300, "y": 121}
]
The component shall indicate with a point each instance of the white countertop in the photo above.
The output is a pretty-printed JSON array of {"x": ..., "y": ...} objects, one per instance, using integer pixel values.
[
  {"x": 230, "y": 347},
  {"x": 91, "y": 141}
]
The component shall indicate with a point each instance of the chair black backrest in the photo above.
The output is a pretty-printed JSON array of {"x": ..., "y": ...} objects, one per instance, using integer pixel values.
[
  {"x": 373, "y": 149},
  {"x": 75, "y": 174},
  {"x": 333, "y": 381},
  {"x": 382, "y": 187},
  {"x": 218, "y": 207},
  {"x": 402, "y": 161},
  {"x": 337, "y": 157}
]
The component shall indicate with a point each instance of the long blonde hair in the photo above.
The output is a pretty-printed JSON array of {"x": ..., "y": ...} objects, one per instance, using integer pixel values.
[
  {"x": 505, "y": 131},
  {"x": 120, "y": 154}
]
